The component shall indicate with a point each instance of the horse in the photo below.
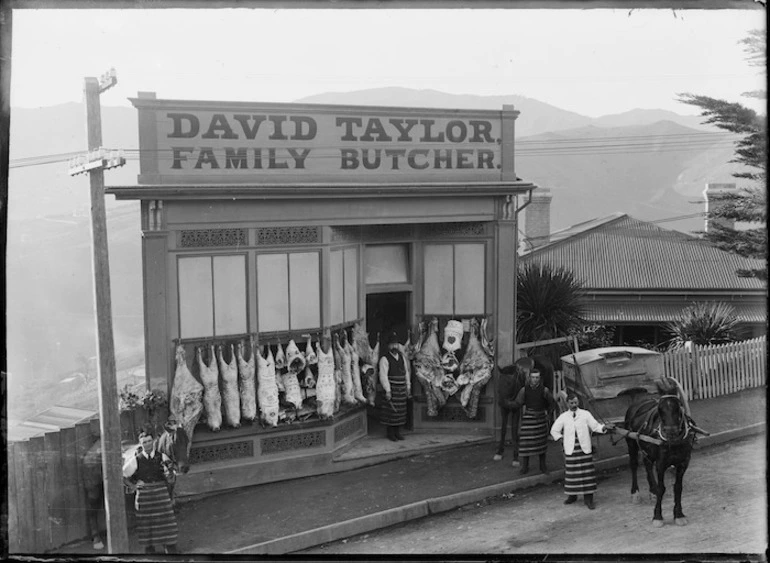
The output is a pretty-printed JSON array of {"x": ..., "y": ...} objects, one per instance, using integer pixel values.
[
  {"x": 666, "y": 420},
  {"x": 510, "y": 381},
  {"x": 173, "y": 442}
]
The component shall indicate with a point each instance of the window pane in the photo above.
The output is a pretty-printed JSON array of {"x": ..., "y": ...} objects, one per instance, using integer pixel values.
[
  {"x": 304, "y": 288},
  {"x": 387, "y": 263},
  {"x": 469, "y": 279},
  {"x": 273, "y": 292},
  {"x": 196, "y": 306},
  {"x": 438, "y": 279},
  {"x": 351, "y": 284},
  {"x": 229, "y": 295},
  {"x": 337, "y": 287}
]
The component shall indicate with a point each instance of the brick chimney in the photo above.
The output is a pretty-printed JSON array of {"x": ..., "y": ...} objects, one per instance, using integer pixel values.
[
  {"x": 713, "y": 204},
  {"x": 537, "y": 219}
]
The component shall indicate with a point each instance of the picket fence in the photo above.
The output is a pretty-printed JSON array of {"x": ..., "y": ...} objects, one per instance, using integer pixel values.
[
  {"x": 46, "y": 498},
  {"x": 711, "y": 371}
]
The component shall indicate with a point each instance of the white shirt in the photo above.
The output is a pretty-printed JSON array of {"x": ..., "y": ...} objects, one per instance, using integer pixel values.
[{"x": 581, "y": 424}]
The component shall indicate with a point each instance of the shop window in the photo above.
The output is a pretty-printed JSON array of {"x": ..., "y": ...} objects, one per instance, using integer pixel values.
[
  {"x": 344, "y": 285},
  {"x": 212, "y": 296},
  {"x": 288, "y": 291},
  {"x": 454, "y": 279},
  {"x": 387, "y": 263}
]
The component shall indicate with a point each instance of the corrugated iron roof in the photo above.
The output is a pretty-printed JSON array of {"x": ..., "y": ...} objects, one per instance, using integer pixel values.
[
  {"x": 620, "y": 252},
  {"x": 641, "y": 312}
]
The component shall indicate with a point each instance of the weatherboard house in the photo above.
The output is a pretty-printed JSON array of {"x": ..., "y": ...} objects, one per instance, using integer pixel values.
[
  {"x": 277, "y": 221},
  {"x": 638, "y": 276}
]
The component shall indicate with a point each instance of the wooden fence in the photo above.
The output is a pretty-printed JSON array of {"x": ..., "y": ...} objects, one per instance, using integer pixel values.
[
  {"x": 710, "y": 371},
  {"x": 46, "y": 498}
]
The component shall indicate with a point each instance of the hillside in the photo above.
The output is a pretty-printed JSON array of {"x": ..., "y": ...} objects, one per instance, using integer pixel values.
[{"x": 50, "y": 299}]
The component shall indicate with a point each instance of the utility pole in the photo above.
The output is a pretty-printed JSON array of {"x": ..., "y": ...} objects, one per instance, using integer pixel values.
[{"x": 109, "y": 418}]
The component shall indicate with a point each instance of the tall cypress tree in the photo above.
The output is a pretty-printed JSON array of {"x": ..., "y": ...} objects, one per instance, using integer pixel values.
[{"x": 749, "y": 203}]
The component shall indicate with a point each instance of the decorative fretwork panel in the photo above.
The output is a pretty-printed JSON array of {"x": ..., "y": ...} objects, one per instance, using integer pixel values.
[
  {"x": 287, "y": 443},
  {"x": 348, "y": 428},
  {"x": 288, "y": 235},
  {"x": 466, "y": 229},
  {"x": 222, "y": 452},
  {"x": 213, "y": 237},
  {"x": 452, "y": 413}
]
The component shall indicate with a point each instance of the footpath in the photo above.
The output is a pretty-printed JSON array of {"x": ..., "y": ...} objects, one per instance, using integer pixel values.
[{"x": 289, "y": 516}]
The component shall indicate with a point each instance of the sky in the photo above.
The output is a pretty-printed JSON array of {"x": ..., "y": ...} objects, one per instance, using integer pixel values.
[{"x": 592, "y": 62}]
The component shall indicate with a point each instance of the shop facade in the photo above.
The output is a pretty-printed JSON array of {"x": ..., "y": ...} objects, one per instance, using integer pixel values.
[{"x": 274, "y": 222}]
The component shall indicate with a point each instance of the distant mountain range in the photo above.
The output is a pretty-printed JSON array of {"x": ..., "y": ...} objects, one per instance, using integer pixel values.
[{"x": 651, "y": 164}]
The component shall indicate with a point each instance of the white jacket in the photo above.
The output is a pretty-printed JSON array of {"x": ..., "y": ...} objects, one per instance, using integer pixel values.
[{"x": 582, "y": 423}]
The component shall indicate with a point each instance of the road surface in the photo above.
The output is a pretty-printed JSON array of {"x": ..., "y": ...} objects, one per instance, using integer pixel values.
[{"x": 724, "y": 498}]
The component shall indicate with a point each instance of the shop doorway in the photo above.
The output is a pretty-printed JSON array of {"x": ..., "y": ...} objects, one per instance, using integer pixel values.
[{"x": 386, "y": 312}]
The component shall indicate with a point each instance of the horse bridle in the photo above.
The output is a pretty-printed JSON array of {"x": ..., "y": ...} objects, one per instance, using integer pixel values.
[{"x": 684, "y": 429}]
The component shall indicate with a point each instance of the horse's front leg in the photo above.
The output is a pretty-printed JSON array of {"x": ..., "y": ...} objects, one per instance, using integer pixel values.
[
  {"x": 505, "y": 413},
  {"x": 657, "y": 519},
  {"x": 679, "y": 518},
  {"x": 633, "y": 464}
]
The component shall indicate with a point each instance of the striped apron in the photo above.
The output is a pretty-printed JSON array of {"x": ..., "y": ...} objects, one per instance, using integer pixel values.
[
  {"x": 156, "y": 522},
  {"x": 393, "y": 412},
  {"x": 533, "y": 435},
  {"x": 580, "y": 473}
]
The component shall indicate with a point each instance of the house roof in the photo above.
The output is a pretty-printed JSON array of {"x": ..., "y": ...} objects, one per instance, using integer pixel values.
[
  {"x": 645, "y": 312},
  {"x": 619, "y": 252}
]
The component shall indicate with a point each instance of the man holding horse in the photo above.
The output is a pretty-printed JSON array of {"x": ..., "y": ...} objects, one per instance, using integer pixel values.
[
  {"x": 147, "y": 472},
  {"x": 575, "y": 426},
  {"x": 537, "y": 401}
]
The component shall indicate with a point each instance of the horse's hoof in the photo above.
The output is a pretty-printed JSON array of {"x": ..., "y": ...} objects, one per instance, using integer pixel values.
[
  {"x": 497, "y": 457},
  {"x": 98, "y": 545},
  {"x": 657, "y": 523},
  {"x": 636, "y": 498},
  {"x": 515, "y": 463},
  {"x": 680, "y": 521}
]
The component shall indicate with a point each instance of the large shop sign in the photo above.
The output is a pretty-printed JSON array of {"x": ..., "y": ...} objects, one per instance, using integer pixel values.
[{"x": 309, "y": 143}]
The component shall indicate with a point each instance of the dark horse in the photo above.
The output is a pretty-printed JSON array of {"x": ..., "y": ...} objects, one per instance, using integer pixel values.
[
  {"x": 509, "y": 382},
  {"x": 173, "y": 442},
  {"x": 666, "y": 420}
]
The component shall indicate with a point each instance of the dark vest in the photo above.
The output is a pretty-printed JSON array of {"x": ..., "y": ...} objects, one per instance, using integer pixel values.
[
  {"x": 149, "y": 470},
  {"x": 534, "y": 398},
  {"x": 396, "y": 370}
]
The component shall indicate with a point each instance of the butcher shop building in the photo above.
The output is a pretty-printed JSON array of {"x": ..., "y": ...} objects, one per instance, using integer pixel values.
[{"x": 266, "y": 225}]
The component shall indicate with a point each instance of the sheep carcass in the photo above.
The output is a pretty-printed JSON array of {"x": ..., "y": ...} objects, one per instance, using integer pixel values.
[
  {"x": 246, "y": 383},
  {"x": 212, "y": 400},
  {"x": 267, "y": 390}
]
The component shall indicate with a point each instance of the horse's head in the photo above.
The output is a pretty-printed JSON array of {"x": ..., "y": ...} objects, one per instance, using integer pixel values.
[
  {"x": 673, "y": 426},
  {"x": 523, "y": 367}
]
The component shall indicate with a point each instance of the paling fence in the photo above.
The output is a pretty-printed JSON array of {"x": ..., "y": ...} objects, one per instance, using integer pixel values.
[
  {"x": 46, "y": 497},
  {"x": 711, "y": 371}
]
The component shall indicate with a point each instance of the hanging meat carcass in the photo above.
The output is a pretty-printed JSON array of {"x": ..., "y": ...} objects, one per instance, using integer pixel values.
[
  {"x": 246, "y": 382},
  {"x": 267, "y": 390},
  {"x": 212, "y": 400},
  {"x": 308, "y": 381},
  {"x": 230, "y": 396},
  {"x": 355, "y": 372},
  {"x": 295, "y": 362},
  {"x": 477, "y": 366},
  {"x": 427, "y": 367},
  {"x": 280, "y": 358},
  {"x": 343, "y": 353},
  {"x": 326, "y": 386},
  {"x": 186, "y": 402},
  {"x": 407, "y": 350},
  {"x": 361, "y": 343},
  {"x": 311, "y": 358}
]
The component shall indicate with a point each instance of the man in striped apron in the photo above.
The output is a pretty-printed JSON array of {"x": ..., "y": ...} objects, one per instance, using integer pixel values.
[
  {"x": 396, "y": 388},
  {"x": 575, "y": 426},
  {"x": 537, "y": 401},
  {"x": 146, "y": 473}
]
